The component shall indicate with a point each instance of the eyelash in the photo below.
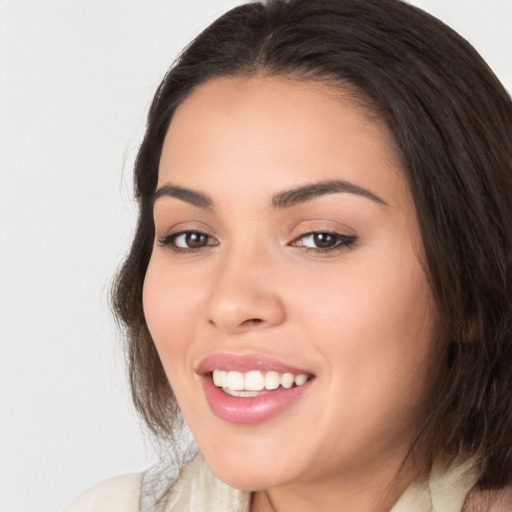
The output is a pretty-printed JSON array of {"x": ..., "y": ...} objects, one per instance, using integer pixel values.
[
  {"x": 169, "y": 241},
  {"x": 341, "y": 241}
]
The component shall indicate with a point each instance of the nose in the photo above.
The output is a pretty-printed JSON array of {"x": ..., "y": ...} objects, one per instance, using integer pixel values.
[{"x": 244, "y": 295}]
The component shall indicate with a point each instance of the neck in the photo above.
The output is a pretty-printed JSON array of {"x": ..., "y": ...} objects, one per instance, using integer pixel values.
[{"x": 374, "y": 491}]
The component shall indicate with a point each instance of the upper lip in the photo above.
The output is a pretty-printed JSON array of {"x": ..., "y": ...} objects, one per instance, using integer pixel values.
[{"x": 245, "y": 363}]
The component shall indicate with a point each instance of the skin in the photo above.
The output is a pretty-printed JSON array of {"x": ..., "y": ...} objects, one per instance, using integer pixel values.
[{"x": 359, "y": 317}]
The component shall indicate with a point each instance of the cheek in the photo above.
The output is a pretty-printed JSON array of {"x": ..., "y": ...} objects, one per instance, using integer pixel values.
[
  {"x": 375, "y": 325},
  {"x": 367, "y": 303},
  {"x": 170, "y": 310}
]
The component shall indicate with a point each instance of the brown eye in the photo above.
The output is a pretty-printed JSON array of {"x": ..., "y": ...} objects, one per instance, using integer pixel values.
[
  {"x": 187, "y": 241},
  {"x": 324, "y": 240},
  {"x": 192, "y": 240}
]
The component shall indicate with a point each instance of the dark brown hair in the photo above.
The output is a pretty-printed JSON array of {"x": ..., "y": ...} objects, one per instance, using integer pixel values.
[{"x": 452, "y": 125}]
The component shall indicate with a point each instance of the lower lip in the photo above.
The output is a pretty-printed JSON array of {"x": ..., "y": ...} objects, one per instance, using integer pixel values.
[{"x": 250, "y": 410}]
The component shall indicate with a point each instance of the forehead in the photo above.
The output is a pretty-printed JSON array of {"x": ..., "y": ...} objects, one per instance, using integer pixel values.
[{"x": 278, "y": 131}]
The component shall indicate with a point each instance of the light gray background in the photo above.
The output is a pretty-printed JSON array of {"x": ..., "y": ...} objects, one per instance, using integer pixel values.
[{"x": 76, "y": 78}]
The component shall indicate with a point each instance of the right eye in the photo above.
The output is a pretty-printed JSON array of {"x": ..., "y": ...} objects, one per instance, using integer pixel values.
[{"x": 187, "y": 241}]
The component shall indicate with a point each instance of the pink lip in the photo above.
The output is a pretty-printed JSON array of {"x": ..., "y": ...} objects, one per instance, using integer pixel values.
[
  {"x": 248, "y": 410},
  {"x": 232, "y": 362}
]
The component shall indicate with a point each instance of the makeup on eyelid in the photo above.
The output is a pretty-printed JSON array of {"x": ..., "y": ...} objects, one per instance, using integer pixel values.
[
  {"x": 315, "y": 241},
  {"x": 308, "y": 229}
]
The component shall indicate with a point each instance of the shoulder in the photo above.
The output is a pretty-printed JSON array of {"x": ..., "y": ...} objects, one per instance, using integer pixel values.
[
  {"x": 198, "y": 489},
  {"x": 118, "y": 494}
]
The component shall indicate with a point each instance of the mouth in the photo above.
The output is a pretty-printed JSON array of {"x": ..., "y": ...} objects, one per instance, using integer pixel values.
[{"x": 248, "y": 390}]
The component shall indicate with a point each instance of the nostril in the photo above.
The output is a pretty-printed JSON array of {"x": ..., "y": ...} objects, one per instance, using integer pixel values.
[
  {"x": 246, "y": 323},
  {"x": 252, "y": 321}
]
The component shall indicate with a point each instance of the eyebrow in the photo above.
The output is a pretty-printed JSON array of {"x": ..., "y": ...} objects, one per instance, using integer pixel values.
[
  {"x": 280, "y": 201},
  {"x": 307, "y": 192},
  {"x": 185, "y": 194}
]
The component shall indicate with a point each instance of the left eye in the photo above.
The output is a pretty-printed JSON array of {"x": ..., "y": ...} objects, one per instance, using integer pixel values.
[
  {"x": 321, "y": 241},
  {"x": 191, "y": 240},
  {"x": 187, "y": 241}
]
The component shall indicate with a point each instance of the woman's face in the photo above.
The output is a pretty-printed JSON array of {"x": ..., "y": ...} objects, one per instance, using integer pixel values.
[{"x": 287, "y": 254}]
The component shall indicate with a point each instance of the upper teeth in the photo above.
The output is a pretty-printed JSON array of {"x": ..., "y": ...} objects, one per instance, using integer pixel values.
[{"x": 256, "y": 380}]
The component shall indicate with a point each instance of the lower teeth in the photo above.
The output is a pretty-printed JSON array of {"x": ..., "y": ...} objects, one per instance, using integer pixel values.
[{"x": 246, "y": 394}]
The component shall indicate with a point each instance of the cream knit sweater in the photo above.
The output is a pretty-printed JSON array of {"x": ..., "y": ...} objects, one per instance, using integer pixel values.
[{"x": 198, "y": 490}]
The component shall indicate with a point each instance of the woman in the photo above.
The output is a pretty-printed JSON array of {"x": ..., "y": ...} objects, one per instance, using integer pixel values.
[{"x": 320, "y": 277}]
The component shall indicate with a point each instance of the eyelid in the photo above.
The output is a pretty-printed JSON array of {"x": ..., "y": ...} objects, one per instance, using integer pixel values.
[
  {"x": 321, "y": 226},
  {"x": 346, "y": 236},
  {"x": 171, "y": 233},
  {"x": 167, "y": 242},
  {"x": 341, "y": 241},
  {"x": 167, "y": 228}
]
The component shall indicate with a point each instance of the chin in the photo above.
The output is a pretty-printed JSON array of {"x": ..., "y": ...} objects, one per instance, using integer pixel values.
[
  {"x": 240, "y": 470},
  {"x": 246, "y": 479}
]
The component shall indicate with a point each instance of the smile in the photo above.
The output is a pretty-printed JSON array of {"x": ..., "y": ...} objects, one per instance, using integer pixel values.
[{"x": 248, "y": 390}]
